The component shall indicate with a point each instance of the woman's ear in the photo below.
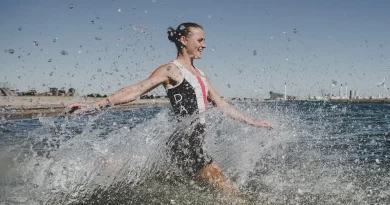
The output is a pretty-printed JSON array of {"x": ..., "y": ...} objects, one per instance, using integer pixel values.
[{"x": 183, "y": 41}]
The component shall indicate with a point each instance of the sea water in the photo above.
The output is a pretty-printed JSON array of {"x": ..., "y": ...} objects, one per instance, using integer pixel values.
[{"x": 318, "y": 153}]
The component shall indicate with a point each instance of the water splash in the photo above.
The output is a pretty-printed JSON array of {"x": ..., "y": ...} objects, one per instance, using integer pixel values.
[{"x": 313, "y": 156}]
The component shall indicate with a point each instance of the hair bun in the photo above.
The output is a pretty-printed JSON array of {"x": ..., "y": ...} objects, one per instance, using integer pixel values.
[{"x": 172, "y": 34}]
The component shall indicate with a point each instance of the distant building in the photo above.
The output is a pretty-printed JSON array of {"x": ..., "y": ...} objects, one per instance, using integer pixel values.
[
  {"x": 280, "y": 96},
  {"x": 353, "y": 94},
  {"x": 53, "y": 91},
  {"x": 4, "y": 92}
]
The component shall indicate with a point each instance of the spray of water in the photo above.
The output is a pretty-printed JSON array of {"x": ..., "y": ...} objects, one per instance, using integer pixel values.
[{"x": 121, "y": 157}]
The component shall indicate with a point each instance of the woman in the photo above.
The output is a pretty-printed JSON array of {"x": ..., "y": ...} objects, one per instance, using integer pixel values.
[{"x": 188, "y": 89}]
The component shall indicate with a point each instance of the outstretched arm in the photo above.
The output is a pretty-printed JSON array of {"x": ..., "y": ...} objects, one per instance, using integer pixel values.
[
  {"x": 233, "y": 113},
  {"x": 130, "y": 93}
]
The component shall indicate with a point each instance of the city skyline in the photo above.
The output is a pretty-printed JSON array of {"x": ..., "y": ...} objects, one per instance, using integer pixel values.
[{"x": 101, "y": 46}]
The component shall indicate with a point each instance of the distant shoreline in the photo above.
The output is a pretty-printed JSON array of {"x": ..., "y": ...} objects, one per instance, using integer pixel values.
[
  {"x": 20, "y": 107},
  {"x": 379, "y": 100}
]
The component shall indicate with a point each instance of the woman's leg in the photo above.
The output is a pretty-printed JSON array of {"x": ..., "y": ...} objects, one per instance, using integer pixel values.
[{"x": 212, "y": 174}]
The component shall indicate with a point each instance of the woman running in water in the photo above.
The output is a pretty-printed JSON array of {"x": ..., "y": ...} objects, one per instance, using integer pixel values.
[{"x": 188, "y": 89}]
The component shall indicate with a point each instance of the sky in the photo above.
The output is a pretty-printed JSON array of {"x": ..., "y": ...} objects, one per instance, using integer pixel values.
[{"x": 253, "y": 46}]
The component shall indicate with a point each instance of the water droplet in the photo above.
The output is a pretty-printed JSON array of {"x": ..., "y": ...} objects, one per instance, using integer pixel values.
[
  {"x": 119, "y": 9},
  {"x": 182, "y": 27},
  {"x": 99, "y": 70},
  {"x": 228, "y": 85},
  {"x": 11, "y": 51},
  {"x": 20, "y": 28},
  {"x": 300, "y": 191},
  {"x": 51, "y": 74},
  {"x": 98, "y": 38},
  {"x": 79, "y": 51},
  {"x": 36, "y": 43},
  {"x": 254, "y": 52},
  {"x": 63, "y": 52},
  {"x": 296, "y": 30},
  {"x": 71, "y": 6},
  {"x": 146, "y": 11},
  {"x": 49, "y": 60},
  {"x": 154, "y": 1},
  {"x": 209, "y": 16}
]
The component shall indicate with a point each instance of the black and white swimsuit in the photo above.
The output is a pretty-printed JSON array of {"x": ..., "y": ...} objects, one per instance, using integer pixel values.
[{"x": 189, "y": 98}]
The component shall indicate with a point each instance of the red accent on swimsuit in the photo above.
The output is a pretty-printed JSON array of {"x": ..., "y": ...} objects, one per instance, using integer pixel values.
[{"x": 203, "y": 90}]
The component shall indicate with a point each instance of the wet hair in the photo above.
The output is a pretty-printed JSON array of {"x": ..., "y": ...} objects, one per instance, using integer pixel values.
[{"x": 182, "y": 30}]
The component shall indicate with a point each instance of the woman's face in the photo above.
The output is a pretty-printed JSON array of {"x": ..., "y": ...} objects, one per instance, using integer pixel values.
[{"x": 194, "y": 43}]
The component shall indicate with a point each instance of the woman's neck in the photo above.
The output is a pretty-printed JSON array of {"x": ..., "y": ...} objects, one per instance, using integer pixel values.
[{"x": 185, "y": 60}]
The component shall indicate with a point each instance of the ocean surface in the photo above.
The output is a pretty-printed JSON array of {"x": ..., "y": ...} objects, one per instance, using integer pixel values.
[{"x": 318, "y": 153}]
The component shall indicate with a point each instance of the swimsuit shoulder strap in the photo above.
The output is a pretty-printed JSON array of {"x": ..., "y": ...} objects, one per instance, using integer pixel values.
[
  {"x": 200, "y": 72},
  {"x": 179, "y": 65}
]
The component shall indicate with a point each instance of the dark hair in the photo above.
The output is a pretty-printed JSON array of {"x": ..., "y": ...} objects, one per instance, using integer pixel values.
[{"x": 182, "y": 30}]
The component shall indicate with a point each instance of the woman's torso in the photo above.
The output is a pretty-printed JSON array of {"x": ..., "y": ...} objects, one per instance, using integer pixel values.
[{"x": 188, "y": 96}]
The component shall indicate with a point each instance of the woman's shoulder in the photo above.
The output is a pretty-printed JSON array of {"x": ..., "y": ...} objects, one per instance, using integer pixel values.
[{"x": 168, "y": 69}]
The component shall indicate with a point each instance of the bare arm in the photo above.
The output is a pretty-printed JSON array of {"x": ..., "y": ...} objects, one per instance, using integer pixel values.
[
  {"x": 233, "y": 113},
  {"x": 130, "y": 93}
]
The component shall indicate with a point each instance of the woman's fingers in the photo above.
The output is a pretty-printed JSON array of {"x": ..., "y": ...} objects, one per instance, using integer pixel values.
[
  {"x": 263, "y": 124},
  {"x": 75, "y": 108}
]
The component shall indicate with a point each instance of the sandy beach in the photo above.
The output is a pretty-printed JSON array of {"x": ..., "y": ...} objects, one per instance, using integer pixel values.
[{"x": 16, "y": 107}]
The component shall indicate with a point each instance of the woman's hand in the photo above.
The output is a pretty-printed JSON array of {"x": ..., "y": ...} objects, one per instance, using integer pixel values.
[
  {"x": 262, "y": 124},
  {"x": 79, "y": 107}
]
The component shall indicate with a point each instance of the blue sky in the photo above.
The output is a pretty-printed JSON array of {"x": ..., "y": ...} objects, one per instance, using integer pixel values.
[{"x": 251, "y": 45}]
